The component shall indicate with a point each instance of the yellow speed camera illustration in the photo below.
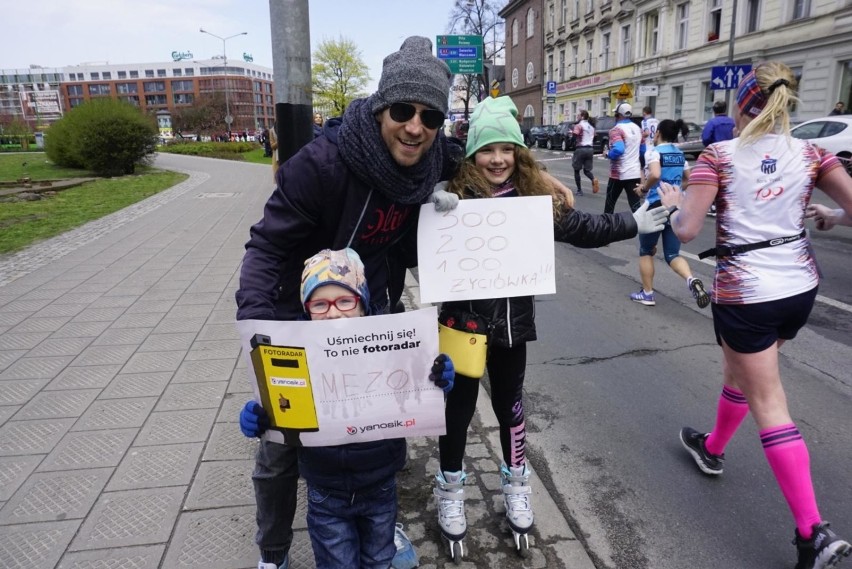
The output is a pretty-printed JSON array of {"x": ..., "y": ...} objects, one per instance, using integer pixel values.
[{"x": 285, "y": 385}]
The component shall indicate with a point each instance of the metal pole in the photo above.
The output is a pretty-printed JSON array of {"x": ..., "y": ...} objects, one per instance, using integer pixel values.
[
  {"x": 291, "y": 66},
  {"x": 731, "y": 51},
  {"x": 228, "y": 118}
]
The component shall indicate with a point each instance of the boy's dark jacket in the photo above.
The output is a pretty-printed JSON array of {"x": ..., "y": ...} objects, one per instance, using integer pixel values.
[
  {"x": 317, "y": 204},
  {"x": 513, "y": 319}
]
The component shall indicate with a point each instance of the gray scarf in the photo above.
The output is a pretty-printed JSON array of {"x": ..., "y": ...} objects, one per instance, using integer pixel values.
[{"x": 364, "y": 152}]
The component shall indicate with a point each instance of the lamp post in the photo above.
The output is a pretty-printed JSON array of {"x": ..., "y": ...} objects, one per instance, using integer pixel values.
[{"x": 228, "y": 118}]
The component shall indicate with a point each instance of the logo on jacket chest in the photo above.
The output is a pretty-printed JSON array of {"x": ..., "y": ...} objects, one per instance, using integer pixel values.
[{"x": 385, "y": 223}]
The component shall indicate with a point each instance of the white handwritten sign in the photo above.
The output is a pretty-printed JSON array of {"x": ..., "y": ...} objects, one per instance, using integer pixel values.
[
  {"x": 333, "y": 382},
  {"x": 486, "y": 248}
]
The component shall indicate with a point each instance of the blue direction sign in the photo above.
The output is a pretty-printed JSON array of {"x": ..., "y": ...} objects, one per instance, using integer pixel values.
[
  {"x": 463, "y": 54},
  {"x": 551, "y": 87},
  {"x": 725, "y": 77}
]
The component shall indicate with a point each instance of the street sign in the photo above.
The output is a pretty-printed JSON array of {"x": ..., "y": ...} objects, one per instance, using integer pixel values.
[
  {"x": 551, "y": 87},
  {"x": 624, "y": 92},
  {"x": 229, "y": 119},
  {"x": 648, "y": 91},
  {"x": 725, "y": 77},
  {"x": 463, "y": 54},
  {"x": 551, "y": 99}
]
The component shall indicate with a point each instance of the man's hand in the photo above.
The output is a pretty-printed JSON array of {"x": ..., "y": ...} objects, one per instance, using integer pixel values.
[
  {"x": 443, "y": 200},
  {"x": 670, "y": 195},
  {"x": 253, "y": 419},
  {"x": 443, "y": 373},
  {"x": 650, "y": 221}
]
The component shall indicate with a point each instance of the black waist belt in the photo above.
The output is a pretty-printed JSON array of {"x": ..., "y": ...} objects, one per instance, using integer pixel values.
[
  {"x": 726, "y": 251},
  {"x": 585, "y": 146}
]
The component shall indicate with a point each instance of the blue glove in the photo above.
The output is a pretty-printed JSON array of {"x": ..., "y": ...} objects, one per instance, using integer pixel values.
[
  {"x": 253, "y": 419},
  {"x": 443, "y": 373}
]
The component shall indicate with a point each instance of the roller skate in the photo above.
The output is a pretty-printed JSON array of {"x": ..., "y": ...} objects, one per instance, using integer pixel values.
[
  {"x": 449, "y": 499},
  {"x": 517, "y": 496}
]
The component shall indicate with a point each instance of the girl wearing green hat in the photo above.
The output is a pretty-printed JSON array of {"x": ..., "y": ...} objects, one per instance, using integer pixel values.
[{"x": 499, "y": 165}]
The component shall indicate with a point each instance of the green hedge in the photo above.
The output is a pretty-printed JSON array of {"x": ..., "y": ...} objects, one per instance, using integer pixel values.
[{"x": 209, "y": 148}]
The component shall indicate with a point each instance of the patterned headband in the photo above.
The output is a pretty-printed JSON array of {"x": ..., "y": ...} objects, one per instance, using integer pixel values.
[{"x": 750, "y": 97}]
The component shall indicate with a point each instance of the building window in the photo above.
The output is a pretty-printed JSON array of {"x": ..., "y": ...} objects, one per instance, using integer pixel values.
[
  {"x": 149, "y": 73},
  {"x": 181, "y": 85},
  {"x": 752, "y": 16},
  {"x": 177, "y": 72},
  {"x": 709, "y": 95},
  {"x": 161, "y": 72},
  {"x": 590, "y": 6},
  {"x": 132, "y": 99},
  {"x": 96, "y": 76},
  {"x": 590, "y": 44},
  {"x": 550, "y": 76},
  {"x": 564, "y": 19},
  {"x": 107, "y": 76},
  {"x": 562, "y": 65},
  {"x": 153, "y": 86},
  {"x": 75, "y": 102},
  {"x": 576, "y": 9},
  {"x": 574, "y": 110},
  {"x": 183, "y": 98},
  {"x": 515, "y": 32},
  {"x": 134, "y": 75},
  {"x": 152, "y": 100},
  {"x": 652, "y": 33},
  {"x": 126, "y": 88},
  {"x": 188, "y": 72},
  {"x": 677, "y": 100},
  {"x": 530, "y": 23},
  {"x": 75, "y": 90},
  {"x": 801, "y": 9},
  {"x": 605, "y": 52},
  {"x": 714, "y": 22},
  {"x": 682, "y": 25},
  {"x": 551, "y": 18},
  {"x": 122, "y": 74},
  {"x": 97, "y": 90},
  {"x": 626, "y": 53},
  {"x": 575, "y": 60}
]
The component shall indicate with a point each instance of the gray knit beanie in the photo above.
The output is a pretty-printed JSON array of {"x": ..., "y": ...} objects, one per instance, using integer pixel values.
[{"x": 413, "y": 75}]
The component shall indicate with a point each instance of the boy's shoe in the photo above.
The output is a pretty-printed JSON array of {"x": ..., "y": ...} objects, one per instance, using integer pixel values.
[
  {"x": 596, "y": 186},
  {"x": 693, "y": 442},
  {"x": 696, "y": 287},
  {"x": 406, "y": 557},
  {"x": 284, "y": 565},
  {"x": 823, "y": 549},
  {"x": 642, "y": 297},
  {"x": 579, "y": 192}
]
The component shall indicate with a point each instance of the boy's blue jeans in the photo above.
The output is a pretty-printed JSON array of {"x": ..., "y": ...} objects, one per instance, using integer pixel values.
[{"x": 353, "y": 530}]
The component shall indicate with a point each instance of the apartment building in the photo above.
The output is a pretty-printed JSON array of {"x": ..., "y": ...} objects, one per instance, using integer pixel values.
[
  {"x": 524, "y": 42},
  {"x": 661, "y": 52},
  {"x": 40, "y": 96}
]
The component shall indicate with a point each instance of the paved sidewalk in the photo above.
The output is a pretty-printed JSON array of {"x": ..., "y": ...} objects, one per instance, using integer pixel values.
[{"x": 120, "y": 387}]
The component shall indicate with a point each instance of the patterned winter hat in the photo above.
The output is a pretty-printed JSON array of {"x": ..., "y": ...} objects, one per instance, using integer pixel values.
[
  {"x": 413, "y": 75},
  {"x": 343, "y": 267},
  {"x": 493, "y": 120}
]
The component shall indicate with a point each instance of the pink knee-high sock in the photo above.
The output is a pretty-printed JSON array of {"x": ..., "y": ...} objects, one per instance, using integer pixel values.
[
  {"x": 730, "y": 413},
  {"x": 788, "y": 457}
]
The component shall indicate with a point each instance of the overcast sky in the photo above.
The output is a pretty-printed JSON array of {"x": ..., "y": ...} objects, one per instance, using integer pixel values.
[{"x": 56, "y": 33}]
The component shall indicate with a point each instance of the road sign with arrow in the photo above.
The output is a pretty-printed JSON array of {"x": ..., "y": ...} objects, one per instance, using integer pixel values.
[{"x": 725, "y": 77}]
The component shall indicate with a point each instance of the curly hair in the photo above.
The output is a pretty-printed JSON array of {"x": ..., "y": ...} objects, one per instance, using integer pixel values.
[{"x": 527, "y": 180}]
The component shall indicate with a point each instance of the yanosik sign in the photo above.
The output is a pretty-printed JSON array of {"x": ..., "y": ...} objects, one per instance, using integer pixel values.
[
  {"x": 331, "y": 382},
  {"x": 486, "y": 248}
]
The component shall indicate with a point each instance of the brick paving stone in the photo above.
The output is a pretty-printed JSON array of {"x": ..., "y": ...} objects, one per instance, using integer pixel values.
[
  {"x": 52, "y": 404},
  {"x": 32, "y": 437},
  {"x": 205, "y": 395},
  {"x": 40, "y": 324},
  {"x": 221, "y": 483},
  {"x": 99, "y": 314},
  {"x": 60, "y": 347},
  {"x": 84, "y": 377},
  {"x": 7, "y": 357},
  {"x": 153, "y": 361},
  {"x": 214, "y": 540},
  {"x": 176, "y": 427},
  {"x": 35, "y": 545},
  {"x": 52, "y": 496},
  {"x": 104, "y": 355},
  {"x": 138, "y": 557},
  {"x": 14, "y": 470},
  {"x": 204, "y": 370},
  {"x": 36, "y": 368},
  {"x": 19, "y": 392},
  {"x": 156, "y": 466},
  {"x": 190, "y": 311},
  {"x": 172, "y": 325},
  {"x": 167, "y": 342},
  {"x": 228, "y": 443},
  {"x": 136, "y": 385},
  {"x": 60, "y": 310},
  {"x": 22, "y": 341},
  {"x": 89, "y": 449},
  {"x": 77, "y": 328},
  {"x": 205, "y": 349},
  {"x": 116, "y": 336},
  {"x": 115, "y": 414}
]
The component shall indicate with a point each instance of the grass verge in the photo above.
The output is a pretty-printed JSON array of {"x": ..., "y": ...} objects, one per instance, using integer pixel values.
[
  {"x": 23, "y": 223},
  {"x": 36, "y": 166}
]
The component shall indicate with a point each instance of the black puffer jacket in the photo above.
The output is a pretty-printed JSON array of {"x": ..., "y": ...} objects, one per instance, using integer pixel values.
[{"x": 513, "y": 319}]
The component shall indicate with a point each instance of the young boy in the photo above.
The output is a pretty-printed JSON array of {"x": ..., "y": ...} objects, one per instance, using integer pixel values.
[{"x": 352, "y": 501}]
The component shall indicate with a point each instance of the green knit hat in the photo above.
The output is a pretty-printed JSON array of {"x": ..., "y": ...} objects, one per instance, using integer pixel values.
[{"x": 493, "y": 120}]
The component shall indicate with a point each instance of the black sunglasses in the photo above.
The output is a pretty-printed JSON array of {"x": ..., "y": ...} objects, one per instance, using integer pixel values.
[{"x": 404, "y": 112}]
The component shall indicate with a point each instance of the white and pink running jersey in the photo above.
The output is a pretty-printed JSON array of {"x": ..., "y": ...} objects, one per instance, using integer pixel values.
[
  {"x": 626, "y": 166},
  {"x": 764, "y": 188},
  {"x": 584, "y": 133}
]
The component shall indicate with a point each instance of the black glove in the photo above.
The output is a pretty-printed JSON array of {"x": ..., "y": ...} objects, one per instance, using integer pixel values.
[{"x": 443, "y": 373}]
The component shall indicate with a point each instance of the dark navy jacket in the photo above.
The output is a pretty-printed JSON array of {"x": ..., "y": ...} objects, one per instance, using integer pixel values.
[{"x": 318, "y": 203}]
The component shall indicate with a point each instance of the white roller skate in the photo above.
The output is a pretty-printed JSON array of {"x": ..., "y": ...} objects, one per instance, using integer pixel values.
[
  {"x": 517, "y": 496},
  {"x": 449, "y": 500}
]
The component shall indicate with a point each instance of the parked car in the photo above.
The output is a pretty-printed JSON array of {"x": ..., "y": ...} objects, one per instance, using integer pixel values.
[
  {"x": 460, "y": 129},
  {"x": 563, "y": 137},
  {"x": 541, "y": 134},
  {"x": 832, "y": 133},
  {"x": 691, "y": 145}
]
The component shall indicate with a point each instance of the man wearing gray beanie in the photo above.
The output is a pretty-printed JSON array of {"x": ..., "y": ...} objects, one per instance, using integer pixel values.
[{"x": 360, "y": 185}]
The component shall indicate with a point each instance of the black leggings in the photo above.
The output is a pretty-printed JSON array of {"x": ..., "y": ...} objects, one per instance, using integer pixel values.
[
  {"x": 613, "y": 191},
  {"x": 506, "y": 369}
]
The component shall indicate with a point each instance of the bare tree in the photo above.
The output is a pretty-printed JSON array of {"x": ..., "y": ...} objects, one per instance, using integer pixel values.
[{"x": 479, "y": 18}]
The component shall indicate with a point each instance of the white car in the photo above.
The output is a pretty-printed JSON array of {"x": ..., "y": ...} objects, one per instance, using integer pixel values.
[{"x": 832, "y": 133}]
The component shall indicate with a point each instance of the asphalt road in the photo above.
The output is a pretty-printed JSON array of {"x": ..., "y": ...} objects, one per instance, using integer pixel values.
[{"x": 610, "y": 383}]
